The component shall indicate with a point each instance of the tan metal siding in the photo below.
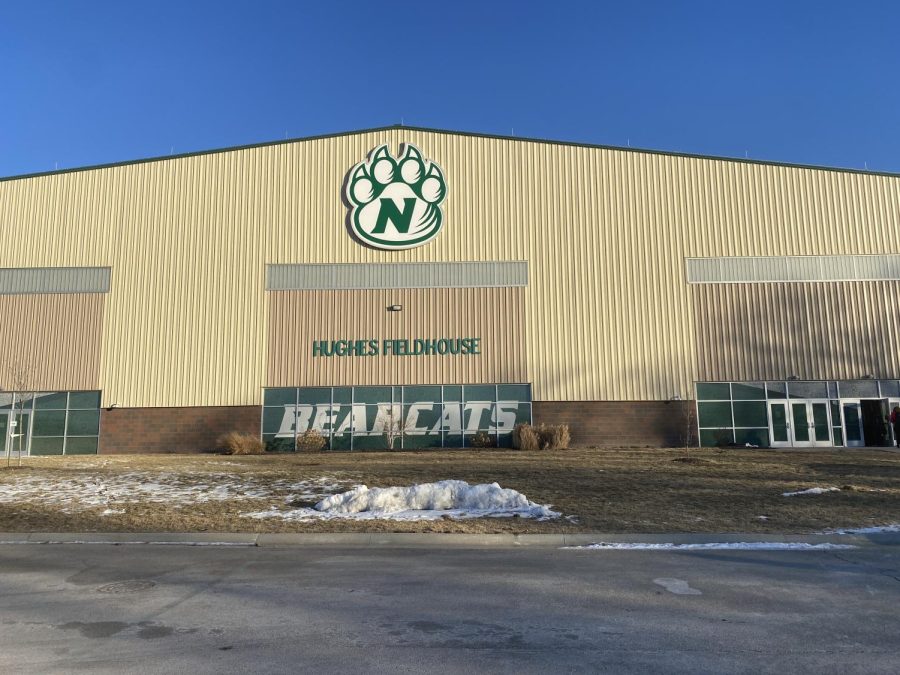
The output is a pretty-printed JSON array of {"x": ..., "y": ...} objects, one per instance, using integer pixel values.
[
  {"x": 842, "y": 330},
  {"x": 297, "y": 318},
  {"x": 605, "y": 233},
  {"x": 50, "y": 342}
]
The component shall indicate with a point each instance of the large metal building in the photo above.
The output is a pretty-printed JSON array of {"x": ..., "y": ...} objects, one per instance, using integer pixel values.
[{"x": 449, "y": 284}]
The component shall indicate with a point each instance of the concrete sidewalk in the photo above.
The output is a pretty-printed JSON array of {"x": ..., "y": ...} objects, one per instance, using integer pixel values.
[{"x": 414, "y": 539}]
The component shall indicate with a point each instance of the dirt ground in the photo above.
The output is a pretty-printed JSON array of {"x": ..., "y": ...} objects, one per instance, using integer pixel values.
[{"x": 604, "y": 490}]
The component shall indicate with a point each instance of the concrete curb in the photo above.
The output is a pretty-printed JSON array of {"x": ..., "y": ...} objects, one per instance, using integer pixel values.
[{"x": 428, "y": 539}]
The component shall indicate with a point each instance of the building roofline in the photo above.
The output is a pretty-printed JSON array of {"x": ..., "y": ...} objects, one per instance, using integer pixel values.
[{"x": 524, "y": 139}]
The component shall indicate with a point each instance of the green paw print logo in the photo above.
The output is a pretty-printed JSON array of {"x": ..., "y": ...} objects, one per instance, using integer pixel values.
[{"x": 396, "y": 203}]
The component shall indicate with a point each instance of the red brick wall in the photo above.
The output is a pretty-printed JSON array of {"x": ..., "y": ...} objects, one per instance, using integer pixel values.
[
  {"x": 619, "y": 423},
  {"x": 171, "y": 430}
]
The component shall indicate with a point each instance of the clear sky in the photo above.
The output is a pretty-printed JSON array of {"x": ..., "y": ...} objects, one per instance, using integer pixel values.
[{"x": 89, "y": 81}]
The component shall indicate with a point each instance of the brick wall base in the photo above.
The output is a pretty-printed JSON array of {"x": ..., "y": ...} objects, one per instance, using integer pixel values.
[
  {"x": 172, "y": 430},
  {"x": 621, "y": 423}
]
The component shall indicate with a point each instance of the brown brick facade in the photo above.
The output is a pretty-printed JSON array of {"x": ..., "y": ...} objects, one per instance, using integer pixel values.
[
  {"x": 172, "y": 430},
  {"x": 620, "y": 423}
]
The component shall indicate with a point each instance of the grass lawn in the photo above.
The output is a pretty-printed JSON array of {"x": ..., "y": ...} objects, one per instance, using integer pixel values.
[{"x": 606, "y": 490}]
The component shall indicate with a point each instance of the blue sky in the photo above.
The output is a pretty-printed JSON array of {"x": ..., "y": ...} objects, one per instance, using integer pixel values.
[{"x": 86, "y": 82}]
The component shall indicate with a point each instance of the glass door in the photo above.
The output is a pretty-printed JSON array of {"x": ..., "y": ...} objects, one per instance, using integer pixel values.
[
  {"x": 779, "y": 424},
  {"x": 809, "y": 424},
  {"x": 892, "y": 403},
  {"x": 820, "y": 428},
  {"x": 17, "y": 428},
  {"x": 853, "y": 426}
]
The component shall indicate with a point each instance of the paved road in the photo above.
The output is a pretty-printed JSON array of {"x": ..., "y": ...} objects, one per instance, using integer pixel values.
[{"x": 167, "y": 609}]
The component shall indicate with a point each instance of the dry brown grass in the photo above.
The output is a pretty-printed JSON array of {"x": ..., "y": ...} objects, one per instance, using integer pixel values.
[
  {"x": 236, "y": 443},
  {"x": 608, "y": 490}
]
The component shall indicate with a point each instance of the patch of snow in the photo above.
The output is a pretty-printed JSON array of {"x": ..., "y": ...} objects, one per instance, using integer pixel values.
[
  {"x": 878, "y": 529},
  {"x": 111, "y": 512},
  {"x": 94, "y": 490},
  {"x": 429, "y": 501},
  {"x": 716, "y": 546},
  {"x": 810, "y": 491},
  {"x": 762, "y": 517}
]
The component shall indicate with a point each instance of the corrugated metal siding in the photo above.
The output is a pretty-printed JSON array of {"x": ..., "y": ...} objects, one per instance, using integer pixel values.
[
  {"x": 396, "y": 275},
  {"x": 495, "y": 315},
  {"x": 842, "y": 330},
  {"x": 52, "y": 341},
  {"x": 605, "y": 233},
  {"x": 793, "y": 268},
  {"x": 20, "y": 281}
]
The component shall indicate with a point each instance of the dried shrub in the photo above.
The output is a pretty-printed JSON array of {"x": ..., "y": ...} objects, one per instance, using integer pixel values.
[
  {"x": 483, "y": 440},
  {"x": 525, "y": 437},
  {"x": 311, "y": 440},
  {"x": 237, "y": 443},
  {"x": 554, "y": 436}
]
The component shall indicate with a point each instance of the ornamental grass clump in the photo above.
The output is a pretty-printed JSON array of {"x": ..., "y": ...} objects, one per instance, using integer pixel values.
[
  {"x": 311, "y": 440},
  {"x": 237, "y": 443},
  {"x": 554, "y": 436},
  {"x": 525, "y": 437}
]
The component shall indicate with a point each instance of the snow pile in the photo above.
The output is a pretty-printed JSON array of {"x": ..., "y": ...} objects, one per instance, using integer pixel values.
[
  {"x": 93, "y": 490},
  {"x": 718, "y": 546},
  {"x": 428, "y": 501},
  {"x": 878, "y": 529},
  {"x": 810, "y": 491}
]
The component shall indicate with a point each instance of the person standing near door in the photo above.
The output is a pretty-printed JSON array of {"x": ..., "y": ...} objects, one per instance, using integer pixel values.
[{"x": 895, "y": 423}]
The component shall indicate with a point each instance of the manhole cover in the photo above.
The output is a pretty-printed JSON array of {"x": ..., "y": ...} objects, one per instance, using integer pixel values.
[{"x": 126, "y": 587}]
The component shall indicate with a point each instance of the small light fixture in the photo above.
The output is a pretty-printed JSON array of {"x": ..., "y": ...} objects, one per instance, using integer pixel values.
[
  {"x": 395, "y": 308},
  {"x": 676, "y": 397},
  {"x": 793, "y": 378},
  {"x": 114, "y": 405},
  {"x": 868, "y": 376}
]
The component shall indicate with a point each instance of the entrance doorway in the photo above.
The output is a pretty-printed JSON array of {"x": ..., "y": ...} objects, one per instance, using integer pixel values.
[
  {"x": 799, "y": 424},
  {"x": 14, "y": 430}
]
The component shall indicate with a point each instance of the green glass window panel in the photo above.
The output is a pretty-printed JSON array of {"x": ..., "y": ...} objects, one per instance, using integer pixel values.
[
  {"x": 52, "y": 401},
  {"x": 800, "y": 422},
  {"x": 748, "y": 391},
  {"x": 371, "y": 443},
  {"x": 757, "y": 437},
  {"x": 81, "y": 446},
  {"x": 453, "y": 392},
  {"x": 276, "y": 444},
  {"x": 412, "y": 442},
  {"x": 421, "y": 394},
  {"x": 835, "y": 411},
  {"x": 49, "y": 423},
  {"x": 452, "y": 418},
  {"x": 274, "y": 417},
  {"x": 513, "y": 392},
  {"x": 5, "y": 401},
  {"x": 84, "y": 400},
  {"x": 477, "y": 416},
  {"x": 713, "y": 391},
  {"x": 46, "y": 446},
  {"x": 890, "y": 388},
  {"x": 504, "y": 440},
  {"x": 422, "y": 418},
  {"x": 858, "y": 388},
  {"x": 275, "y": 397},
  {"x": 750, "y": 414},
  {"x": 714, "y": 414},
  {"x": 807, "y": 390},
  {"x": 4, "y": 429},
  {"x": 838, "y": 436},
  {"x": 779, "y": 423},
  {"x": 340, "y": 443},
  {"x": 776, "y": 389},
  {"x": 372, "y": 394},
  {"x": 314, "y": 395},
  {"x": 507, "y": 415},
  {"x": 712, "y": 438},
  {"x": 453, "y": 440},
  {"x": 343, "y": 394},
  {"x": 83, "y": 423},
  {"x": 480, "y": 392}
]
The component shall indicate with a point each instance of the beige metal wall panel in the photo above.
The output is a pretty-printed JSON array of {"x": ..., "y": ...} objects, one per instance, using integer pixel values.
[
  {"x": 793, "y": 268},
  {"x": 19, "y": 281},
  {"x": 50, "y": 342},
  {"x": 398, "y": 275},
  {"x": 842, "y": 330},
  {"x": 605, "y": 233},
  {"x": 494, "y": 315}
]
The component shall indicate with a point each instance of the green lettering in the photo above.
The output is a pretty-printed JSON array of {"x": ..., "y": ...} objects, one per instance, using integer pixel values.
[{"x": 389, "y": 211}]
